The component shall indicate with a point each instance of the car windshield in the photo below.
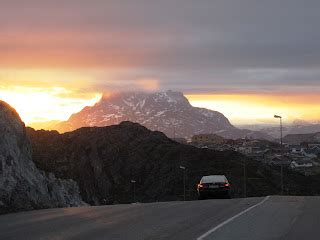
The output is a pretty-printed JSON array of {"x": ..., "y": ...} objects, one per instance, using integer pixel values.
[{"x": 213, "y": 178}]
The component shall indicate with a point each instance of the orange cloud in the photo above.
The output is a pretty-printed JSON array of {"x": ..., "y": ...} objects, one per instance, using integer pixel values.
[
  {"x": 148, "y": 84},
  {"x": 72, "y": 48}
]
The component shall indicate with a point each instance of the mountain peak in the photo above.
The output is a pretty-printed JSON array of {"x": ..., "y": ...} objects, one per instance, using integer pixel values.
[
  {"x": 171, "y": 96},
  {"x": 169, "y": 112},
  {"x": 168, "y": 96}
]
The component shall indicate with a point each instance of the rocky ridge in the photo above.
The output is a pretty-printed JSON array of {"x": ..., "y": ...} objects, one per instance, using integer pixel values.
[{"x": 22, "y": 185}]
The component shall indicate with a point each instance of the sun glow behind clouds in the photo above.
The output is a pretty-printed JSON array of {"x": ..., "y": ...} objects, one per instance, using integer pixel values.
[
  {"x": 36, "y": 104},
  {"x": 254, "y": 108},
  {"x": 41, "y": 95}
]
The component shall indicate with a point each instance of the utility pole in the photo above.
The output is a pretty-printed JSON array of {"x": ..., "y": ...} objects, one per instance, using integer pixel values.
[
  {"x": 184, "y": 182},
  {"x": 281, "y": 179},
  {"x": 134, "y": 190},
  {"x": 244, "y": 179},
  {"x": 281, "y": 132},
  {"x": 281, "y": 165}
]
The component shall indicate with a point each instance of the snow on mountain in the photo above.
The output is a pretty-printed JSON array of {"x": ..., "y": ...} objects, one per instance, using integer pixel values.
[{"x": 169, "y": 112}]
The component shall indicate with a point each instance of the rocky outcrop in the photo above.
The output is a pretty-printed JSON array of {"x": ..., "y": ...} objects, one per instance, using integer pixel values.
[{"x": 22, "y": 185}]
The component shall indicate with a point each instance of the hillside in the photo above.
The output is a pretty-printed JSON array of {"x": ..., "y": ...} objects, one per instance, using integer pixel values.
[
  {"x": 299, "y": 138},
  {"x": 103, "y": 160},
  {"x": 169, "y": 112}
]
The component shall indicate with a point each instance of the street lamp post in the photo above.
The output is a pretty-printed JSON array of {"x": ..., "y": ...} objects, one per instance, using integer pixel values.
[
  {"x": 244, "y": 178},
  {"x": 184, "y": 182},
  {"x": 277, "y": 116},
  {"x": 134, "y": 190}
]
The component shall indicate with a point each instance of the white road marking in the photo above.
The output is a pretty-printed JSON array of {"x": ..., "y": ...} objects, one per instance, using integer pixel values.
[{"x": 203, "y": 236}]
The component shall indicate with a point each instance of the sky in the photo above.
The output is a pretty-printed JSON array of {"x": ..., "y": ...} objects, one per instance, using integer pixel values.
[{"x": 247, "y": 59}]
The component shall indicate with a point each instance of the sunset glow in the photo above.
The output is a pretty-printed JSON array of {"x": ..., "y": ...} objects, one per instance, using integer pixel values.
[
  {"x": 45, "y": 94},
  {"x": 44, "y": 104},
  {"x": 57, "y": 58},
  {"x": 38, "y": 104},
  {"x": 259, "y": 109}
]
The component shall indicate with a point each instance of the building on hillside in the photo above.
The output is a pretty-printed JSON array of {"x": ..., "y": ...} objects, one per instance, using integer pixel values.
[
  {"x": 297, "y": 149},
  {"x": 207, "y": 139},
  {"x": 301, "y": 164},
  {"x": 313, "y": 145},
  {"x": 280, "y": 160},
  {"x": 309, "y": 144},
  {"x": 314, "y": 150},
  {"x": 258, "y": 155}
]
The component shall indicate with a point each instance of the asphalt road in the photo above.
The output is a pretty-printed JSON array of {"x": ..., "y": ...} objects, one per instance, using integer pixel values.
[{"x": 250, "y": 219}]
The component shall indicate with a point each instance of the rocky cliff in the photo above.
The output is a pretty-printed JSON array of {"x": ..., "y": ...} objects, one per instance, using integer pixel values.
[{"x": 22, "y": 185}]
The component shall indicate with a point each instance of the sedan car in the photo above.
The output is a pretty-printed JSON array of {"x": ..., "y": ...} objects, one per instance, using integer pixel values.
[{"x": 213, "y": 186}]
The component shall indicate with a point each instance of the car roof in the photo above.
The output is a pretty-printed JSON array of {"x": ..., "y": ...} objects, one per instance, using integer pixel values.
[{"x": 213, "y": 178}]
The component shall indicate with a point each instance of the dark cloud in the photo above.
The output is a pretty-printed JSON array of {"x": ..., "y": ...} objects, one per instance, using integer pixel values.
[{"x": 190, "y": 45}]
